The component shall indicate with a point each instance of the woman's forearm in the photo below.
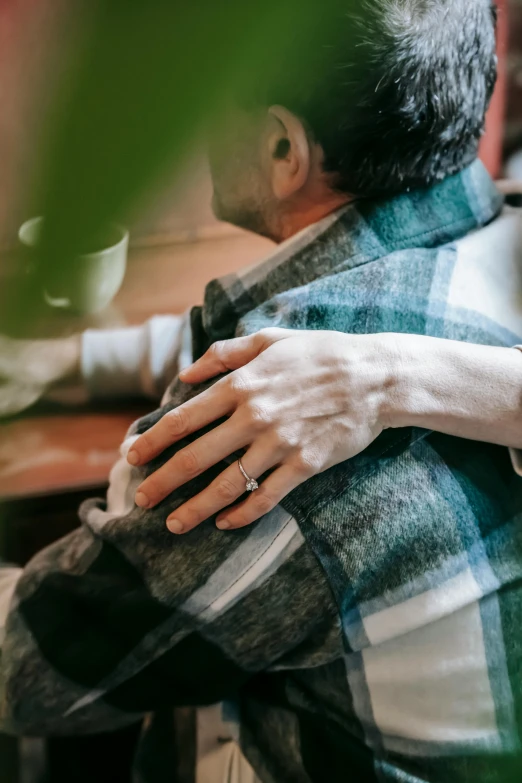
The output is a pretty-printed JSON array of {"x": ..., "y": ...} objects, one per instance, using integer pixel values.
[
  {"x": 300, "y": 402},
  {"x": 469, "y": 391}
]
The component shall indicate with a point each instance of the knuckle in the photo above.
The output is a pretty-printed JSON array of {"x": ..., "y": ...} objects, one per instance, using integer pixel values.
[
  {"x": 191, "y": 516},
  {"x": 262, "y": 502},
  {"x": 176, "y": 422},
  {"x": 217, "y": 349},
  {"x": 240, "y": 519},
  {"x": 226, "y": 490},
  {"x": 282, "y": 439},
  {"x": 188, "y": 462},
  {"x": 307, "y": 464},
  {"x": 144, "y": 444},
  {"x": 238, "y": 384},
  {"x": 259, "y": 415},
  {"x": 153, "y": 488},
  {"x": 270, "y": 334}
]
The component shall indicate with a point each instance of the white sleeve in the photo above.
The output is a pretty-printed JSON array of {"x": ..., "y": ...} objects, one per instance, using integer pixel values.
[{"x": 137, "y": 360}]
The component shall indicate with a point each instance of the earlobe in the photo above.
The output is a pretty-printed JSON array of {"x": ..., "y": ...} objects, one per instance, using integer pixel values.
[{"x": 290, "y": 154}]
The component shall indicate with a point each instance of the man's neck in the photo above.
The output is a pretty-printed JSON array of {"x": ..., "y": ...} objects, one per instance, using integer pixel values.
[{"x": 306, "y": 214}]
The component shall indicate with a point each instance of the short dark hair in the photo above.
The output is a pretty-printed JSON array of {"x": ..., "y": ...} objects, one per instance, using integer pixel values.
[{"x": 395, "y": 91}]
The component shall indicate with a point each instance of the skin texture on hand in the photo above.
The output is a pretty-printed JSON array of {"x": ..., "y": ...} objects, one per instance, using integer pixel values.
[
  {"x": 298, "y": 402},
  {"x": 30, "y": 368}
]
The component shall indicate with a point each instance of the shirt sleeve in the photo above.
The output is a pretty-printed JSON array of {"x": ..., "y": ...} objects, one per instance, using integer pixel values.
[
  {"x": 121, "y": 617},
  {"x": 133, "y": 361}
]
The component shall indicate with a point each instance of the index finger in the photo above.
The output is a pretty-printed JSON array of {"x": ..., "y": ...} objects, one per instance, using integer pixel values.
[
  {"x": 232, "y": 354},
  {"x": 211, "y": 404}
]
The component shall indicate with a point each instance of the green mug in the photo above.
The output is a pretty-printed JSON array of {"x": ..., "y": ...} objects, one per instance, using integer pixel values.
[{"x": 97, "y": 276}]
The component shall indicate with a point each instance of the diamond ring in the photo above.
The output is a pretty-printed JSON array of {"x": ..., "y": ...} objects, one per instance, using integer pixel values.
[{"x": 251, "y": 484}]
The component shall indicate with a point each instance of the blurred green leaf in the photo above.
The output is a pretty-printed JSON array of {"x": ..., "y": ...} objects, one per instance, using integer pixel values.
[{"x": 148, "y": 76}]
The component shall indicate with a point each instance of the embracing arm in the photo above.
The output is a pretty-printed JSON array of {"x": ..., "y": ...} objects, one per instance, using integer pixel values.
[
  {"x": 303, "y": 401},
  {"x": 470, "y": 391}
]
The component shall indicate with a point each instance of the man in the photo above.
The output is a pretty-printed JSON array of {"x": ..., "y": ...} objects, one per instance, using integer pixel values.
[{"x": 367, "y": 628}]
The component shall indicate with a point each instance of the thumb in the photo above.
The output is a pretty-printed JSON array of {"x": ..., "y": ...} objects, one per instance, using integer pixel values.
[{"x": 227, "y": 355}]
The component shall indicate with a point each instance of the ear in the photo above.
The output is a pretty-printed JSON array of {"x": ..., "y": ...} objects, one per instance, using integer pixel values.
[{"x": 290, "y": 153}]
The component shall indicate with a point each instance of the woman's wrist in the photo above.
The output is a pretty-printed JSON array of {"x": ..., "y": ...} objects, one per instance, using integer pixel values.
[
  {"x": 469, "y": 391},
  {"x": 368, "y": 377},
  {"x": 396, "y": 356}
]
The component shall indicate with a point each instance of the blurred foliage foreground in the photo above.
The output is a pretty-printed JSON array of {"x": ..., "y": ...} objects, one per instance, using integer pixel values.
[
  {"x": 138, "y": 81},
  {"x": 141, "y": 81}
]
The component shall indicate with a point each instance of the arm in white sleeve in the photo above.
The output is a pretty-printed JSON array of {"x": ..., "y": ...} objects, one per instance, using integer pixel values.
[{"x": 134, "y": 361}]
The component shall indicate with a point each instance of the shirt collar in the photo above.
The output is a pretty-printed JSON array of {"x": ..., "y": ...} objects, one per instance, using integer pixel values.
[{"x": 357, "y": 233}]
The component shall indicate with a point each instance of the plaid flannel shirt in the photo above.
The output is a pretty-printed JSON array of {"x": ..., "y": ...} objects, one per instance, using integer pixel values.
[{"x": 369, "y": 627}]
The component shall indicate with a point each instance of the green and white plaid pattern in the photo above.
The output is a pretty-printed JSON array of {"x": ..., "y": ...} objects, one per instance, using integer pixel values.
[{"x": 368, "y": 629}]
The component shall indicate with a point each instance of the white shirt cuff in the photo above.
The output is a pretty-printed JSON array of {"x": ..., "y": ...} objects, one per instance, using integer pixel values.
[{"x": 132, "y": 361}]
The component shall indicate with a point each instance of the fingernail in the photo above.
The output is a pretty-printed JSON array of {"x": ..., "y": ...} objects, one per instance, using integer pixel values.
[
  {"x": 223, "y": 524},
  {"x": 141, "y": 500},
  {"x": 175, "y": 526},
  {"x": 133, "y": 458}
]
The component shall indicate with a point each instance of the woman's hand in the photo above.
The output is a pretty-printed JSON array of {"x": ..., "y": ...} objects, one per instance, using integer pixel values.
[{"x": 298, "y": 402}]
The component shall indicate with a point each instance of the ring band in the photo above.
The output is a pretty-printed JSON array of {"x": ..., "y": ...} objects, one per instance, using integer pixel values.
[{"x": 251, "y": 484}]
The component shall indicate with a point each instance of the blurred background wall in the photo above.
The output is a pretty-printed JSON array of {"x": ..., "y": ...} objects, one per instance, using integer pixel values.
[
  {"x": 30, "y": 60},
  {"x": 33, "y": 54}
]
